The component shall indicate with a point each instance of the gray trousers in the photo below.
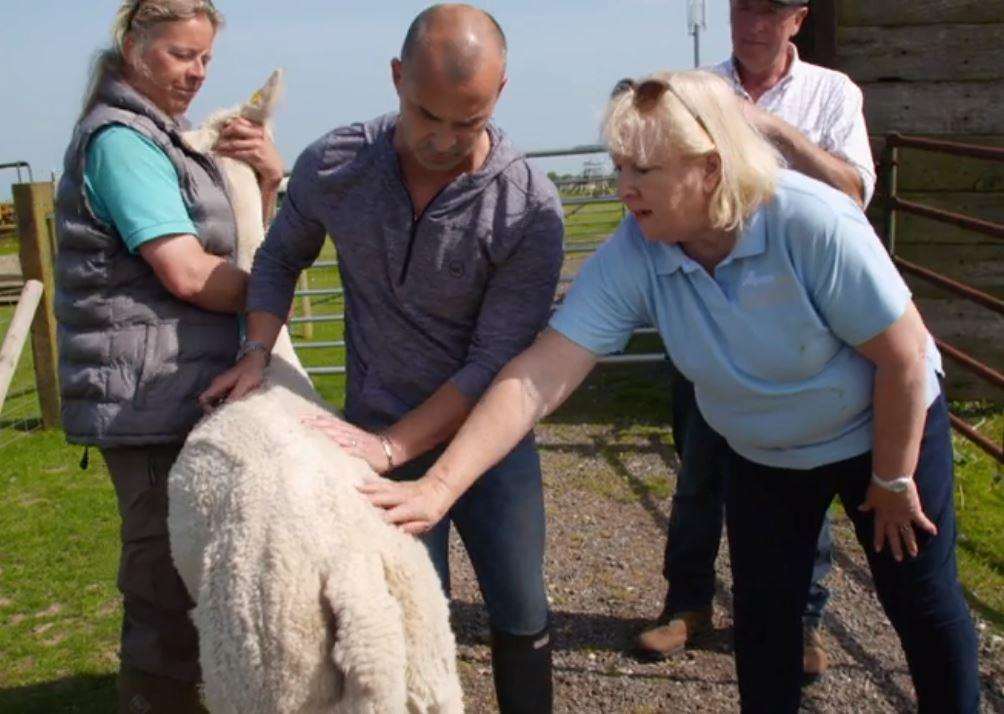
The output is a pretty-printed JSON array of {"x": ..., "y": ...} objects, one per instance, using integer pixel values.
[{"x": 158, "y": 637}]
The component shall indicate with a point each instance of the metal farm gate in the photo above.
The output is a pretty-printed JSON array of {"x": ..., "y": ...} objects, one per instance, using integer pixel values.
[{"x": 591, "y": 214}]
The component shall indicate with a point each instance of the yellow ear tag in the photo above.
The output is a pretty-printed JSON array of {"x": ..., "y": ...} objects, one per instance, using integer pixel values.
[{"x": 256, "y": 98}]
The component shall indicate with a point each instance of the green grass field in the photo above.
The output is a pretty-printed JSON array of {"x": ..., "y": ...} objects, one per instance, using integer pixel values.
[
  {"x": 9, "y": 243},
  {"x": 979, "y": 502},
  {"x": 59, "y": 608}
]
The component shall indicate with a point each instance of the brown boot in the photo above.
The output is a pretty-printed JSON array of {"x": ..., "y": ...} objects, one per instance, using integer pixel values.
[
  {"x": 142, "y": 693},
  {"x": 815, "y": 661},
  {"x": 671, "y": 637}
]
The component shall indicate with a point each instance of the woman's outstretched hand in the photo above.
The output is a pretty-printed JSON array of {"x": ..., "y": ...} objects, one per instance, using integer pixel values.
[
  {"x": 414, "y": 506},
  {"x": 896, "y": 515}
]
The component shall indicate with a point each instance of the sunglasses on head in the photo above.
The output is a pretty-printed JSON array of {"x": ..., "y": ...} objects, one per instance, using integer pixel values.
[
  {"x": 132, "y": 14},
  {"x": 648, "y": 93}
]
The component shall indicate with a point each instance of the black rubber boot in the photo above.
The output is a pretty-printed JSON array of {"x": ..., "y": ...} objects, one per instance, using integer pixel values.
[{"x": 522, "y": 668}]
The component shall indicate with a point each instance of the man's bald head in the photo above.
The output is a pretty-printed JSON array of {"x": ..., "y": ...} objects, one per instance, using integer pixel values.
[
  {"x": 449, "y": 78},
  {"x": 456, "y": 39}
]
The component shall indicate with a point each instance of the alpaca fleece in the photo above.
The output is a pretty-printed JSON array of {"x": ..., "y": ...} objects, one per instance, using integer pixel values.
[{"x": 305, "y": 599}]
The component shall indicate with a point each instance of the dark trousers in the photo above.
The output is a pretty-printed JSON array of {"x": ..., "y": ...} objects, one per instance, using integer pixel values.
[
  {"x": 158, "y": 637},
  {"x": 695, "y": 521},
  {"x": 774, "y": 516},
  {"x": 501, "y": 522}
]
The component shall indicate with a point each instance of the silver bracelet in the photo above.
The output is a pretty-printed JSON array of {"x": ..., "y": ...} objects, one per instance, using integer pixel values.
[
  {"x": 895, "y": 485},
  {"x": 249, "y": 346},
  {"x": 388, "y": 452}
]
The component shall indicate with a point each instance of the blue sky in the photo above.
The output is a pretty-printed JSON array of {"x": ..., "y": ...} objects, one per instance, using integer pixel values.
[{"x": 565, "y": 55}]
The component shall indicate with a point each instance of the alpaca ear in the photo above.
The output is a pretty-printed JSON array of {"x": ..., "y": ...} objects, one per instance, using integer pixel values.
[
  {"x": 262, "y": 104},
  {"x": 369, "y": 648}
]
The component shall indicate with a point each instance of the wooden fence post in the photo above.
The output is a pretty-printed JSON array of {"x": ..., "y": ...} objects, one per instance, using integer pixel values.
[
  {"x": 33, "y": 203},
  {"x": 17, "y": 334},
  {"x": 303, "y": 283}
]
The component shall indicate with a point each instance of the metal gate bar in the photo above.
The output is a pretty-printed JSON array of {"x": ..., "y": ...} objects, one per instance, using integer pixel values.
[{"x": 894, "y": 142}]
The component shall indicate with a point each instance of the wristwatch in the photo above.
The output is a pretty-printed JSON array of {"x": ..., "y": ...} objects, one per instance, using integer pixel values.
[
  {"x": 249, "y": 346},
  {"x": 896, "y": 485}
]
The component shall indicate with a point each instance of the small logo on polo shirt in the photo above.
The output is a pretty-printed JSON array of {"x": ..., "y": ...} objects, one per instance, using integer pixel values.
[
  {"x": 456, "y": 268},
  {"x": 752, "y": 280}
]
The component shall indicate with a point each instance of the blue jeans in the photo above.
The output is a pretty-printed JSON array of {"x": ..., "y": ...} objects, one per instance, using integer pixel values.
[
  {"x": 774, "y": 517},
  {"x": 501, "y": 522},
  {"x": 695, "y": 521}
]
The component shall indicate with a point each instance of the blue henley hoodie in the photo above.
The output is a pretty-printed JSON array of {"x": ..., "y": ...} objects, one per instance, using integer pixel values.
[{"x": 451, "y": 295}]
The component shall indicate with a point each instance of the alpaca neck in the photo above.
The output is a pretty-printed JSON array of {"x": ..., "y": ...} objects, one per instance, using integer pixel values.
[{"x": 245, "y": 198}]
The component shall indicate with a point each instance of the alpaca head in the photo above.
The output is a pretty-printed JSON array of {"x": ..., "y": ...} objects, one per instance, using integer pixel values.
[
  {"x": 261, "y": 106},
  {"x": 258, "y": 109}
]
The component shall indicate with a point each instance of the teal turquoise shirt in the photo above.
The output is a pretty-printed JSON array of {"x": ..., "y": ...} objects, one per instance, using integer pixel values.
[
  {"x": 132, "y": 185},
  {"x": 769, "y": 338}
]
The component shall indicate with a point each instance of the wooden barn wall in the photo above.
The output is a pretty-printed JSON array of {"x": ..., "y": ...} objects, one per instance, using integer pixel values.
[{"x": 934, "y": 68}]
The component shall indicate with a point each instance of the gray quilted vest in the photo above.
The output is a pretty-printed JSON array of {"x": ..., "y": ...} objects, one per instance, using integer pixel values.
[{"x": 132, "y": 357}]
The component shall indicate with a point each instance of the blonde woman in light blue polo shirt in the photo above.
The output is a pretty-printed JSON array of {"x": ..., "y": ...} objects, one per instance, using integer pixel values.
[{"x": 774, "y": 296}]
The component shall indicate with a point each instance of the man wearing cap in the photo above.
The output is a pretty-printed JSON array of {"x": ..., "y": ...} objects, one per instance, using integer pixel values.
[{"x": 813, "y": 115}]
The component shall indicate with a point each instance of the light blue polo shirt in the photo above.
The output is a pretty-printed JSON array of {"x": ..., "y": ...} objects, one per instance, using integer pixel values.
[
  {"x": 132, "y": 185},
  {"x": 769, "y": 339}
]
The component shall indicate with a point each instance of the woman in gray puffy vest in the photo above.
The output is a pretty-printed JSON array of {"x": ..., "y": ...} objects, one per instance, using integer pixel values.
[{"x": 148, "y": 298}]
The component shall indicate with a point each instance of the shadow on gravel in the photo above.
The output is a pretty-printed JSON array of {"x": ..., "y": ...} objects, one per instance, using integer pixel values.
[
  {"x": 895, "y": 694},
  {"x": 858, "y": 573},
  {"x": 611, "y": 453},
  {"x": 83, "y": 694},
  {"x": 599, "y": 447},
  {"x": 636, "y": 394},
  {"x": 577, "y": 631},
  {"x": 669, "y": 675},
  {"x": 897, "y": 697}
]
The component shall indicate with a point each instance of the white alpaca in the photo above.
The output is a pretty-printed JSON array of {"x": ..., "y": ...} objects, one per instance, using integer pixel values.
[{"x": 306, "y": 601}]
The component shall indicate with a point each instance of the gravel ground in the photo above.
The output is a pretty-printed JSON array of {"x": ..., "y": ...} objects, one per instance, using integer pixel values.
[{"x": 606, "y": 493}]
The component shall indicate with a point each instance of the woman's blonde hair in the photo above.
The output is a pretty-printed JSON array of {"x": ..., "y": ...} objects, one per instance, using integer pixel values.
[
  {"x": 695, "y": 113},
  {"x": 139, "y": 18}
]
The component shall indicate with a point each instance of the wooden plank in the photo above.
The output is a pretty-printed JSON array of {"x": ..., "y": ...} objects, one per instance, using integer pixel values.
[
  {"x": 973, "y": 330},
  {"x": 922, "y": 53},
  {"x": 17, "y": 334},
  {"x": 34, "y": 204},
  {"x": 10, "y": 267},
  {"x": 918, "y": 12},
  {"x": 929, "y": 171},
  {"x": 981, "y": 267},
  {"x": 916, "y": 229},
  {"x": 933, "y": 107}
]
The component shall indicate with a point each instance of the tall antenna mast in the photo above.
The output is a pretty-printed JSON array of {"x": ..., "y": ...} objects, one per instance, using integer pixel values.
[{"x": 696, "y": 22}]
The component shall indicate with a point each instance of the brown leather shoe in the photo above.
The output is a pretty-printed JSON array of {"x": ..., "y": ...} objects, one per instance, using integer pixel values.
[
  {"x": 142, "y": 693},
  {"x": 815, "y": 661},
  {"x": 667, "y": 639}
]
